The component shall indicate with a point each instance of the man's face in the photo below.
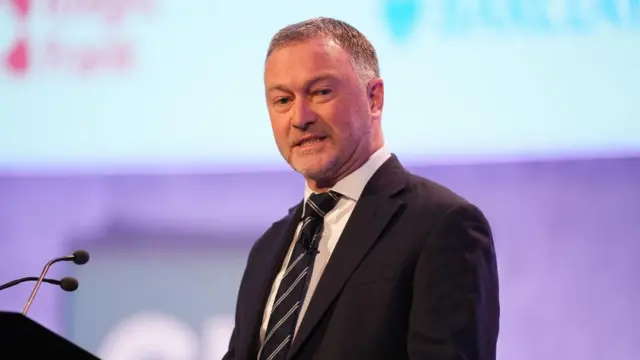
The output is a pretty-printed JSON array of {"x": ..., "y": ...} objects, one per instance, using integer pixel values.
[{"x": 321, "y": 114}]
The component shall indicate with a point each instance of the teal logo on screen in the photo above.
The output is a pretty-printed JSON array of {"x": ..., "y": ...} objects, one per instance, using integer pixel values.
[
  {"x": 402, "y": 16},
  {"x": 464, "y": 18}
]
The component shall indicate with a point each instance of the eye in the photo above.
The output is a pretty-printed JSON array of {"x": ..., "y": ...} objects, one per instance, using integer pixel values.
[
  {"x": 322, "y": 92},
  {"x": 281, "y": 101}
]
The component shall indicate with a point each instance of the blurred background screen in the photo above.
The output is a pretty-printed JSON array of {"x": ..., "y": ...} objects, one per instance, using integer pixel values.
[
  {"x": 138, "y": 130},
  {"x": 147, "y": 83}
]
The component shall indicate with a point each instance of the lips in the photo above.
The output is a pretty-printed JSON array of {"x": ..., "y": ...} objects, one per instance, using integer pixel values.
[{"x": 309, "y": 140}]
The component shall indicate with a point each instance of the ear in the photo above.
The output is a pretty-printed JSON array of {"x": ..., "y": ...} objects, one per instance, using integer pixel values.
[{"x": 375, "y": 95}]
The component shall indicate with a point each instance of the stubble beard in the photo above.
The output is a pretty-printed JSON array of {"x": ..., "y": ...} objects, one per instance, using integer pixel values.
[
  {"x": 317, "y": 166},
  {"x": 326, "y": 170}
]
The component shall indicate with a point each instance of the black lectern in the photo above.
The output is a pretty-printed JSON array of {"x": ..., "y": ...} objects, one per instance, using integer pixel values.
[{"x": 22, "y": 338}]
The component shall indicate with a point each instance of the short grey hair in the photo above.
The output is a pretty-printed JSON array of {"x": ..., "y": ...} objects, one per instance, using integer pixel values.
[{"x": 346, "y": 36}]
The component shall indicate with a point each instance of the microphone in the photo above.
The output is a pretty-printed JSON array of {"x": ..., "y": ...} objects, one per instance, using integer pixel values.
[
  {"x": 66, "y": 283},
  {"x": 79, "y": 257},
  {"x": 309, "y": 245}
]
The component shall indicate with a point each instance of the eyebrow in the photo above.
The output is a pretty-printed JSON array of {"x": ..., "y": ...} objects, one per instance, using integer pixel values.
[{"x": 313, "y": 81}]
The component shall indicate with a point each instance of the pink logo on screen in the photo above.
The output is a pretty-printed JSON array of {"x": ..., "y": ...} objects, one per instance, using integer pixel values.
[
  {"x": 112, "y": 51},
  {"x": 16, "y": 57}
]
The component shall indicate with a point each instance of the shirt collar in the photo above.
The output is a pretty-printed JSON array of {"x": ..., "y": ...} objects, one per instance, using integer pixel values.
[{"x": 352, "y": 185}]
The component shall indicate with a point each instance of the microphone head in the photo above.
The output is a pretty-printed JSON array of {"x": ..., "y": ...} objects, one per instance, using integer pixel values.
[
  {"x": 80, "y": 257},
  {"x": 69, "y": 284}
]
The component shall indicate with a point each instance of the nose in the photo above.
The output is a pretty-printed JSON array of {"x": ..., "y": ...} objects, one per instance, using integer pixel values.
[{"x": 303, "y": 116}]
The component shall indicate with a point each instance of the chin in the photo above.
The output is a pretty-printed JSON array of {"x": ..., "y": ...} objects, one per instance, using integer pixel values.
[{"x": 314, "y": 168}]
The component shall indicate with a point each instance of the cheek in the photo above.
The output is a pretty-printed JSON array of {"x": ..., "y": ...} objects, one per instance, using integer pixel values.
[
  {"x": 337, "y": 117},
  {"x": 280, "y": 132},
  {"x": 347, "y": 122}
]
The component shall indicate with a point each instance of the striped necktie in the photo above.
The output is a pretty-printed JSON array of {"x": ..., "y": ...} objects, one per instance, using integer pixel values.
[{"x": 292, "y": 289}]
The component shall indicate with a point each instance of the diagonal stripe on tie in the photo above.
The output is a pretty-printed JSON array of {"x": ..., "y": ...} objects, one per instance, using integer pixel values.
[
  {"x": 275, "y": 352},
  {"x": 293, "y": 287},
  {"x": 290, "y": 289}
]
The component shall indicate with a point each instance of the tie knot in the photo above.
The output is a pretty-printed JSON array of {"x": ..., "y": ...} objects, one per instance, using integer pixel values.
[{"x": 318, "y": 205}]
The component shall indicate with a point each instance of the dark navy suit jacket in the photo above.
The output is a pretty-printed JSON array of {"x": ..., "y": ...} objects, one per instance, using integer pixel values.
[{"x": 413, "y": 276}]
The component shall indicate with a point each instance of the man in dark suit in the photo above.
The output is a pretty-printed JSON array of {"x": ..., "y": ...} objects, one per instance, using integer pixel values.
[{"x": 375, "y": 263}]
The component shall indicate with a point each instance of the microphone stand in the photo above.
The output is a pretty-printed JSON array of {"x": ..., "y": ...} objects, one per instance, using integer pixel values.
[
  {"x": 79, "y": 257},
  {"x": 38, "y": 283}
]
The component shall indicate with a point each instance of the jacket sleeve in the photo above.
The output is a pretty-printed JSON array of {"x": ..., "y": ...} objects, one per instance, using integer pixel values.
[
  {"x": 231, "y": 351},
  {"x": 455, "y": 304}
]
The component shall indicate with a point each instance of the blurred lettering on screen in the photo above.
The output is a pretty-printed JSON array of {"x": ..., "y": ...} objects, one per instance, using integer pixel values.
[{"x": 164, "y": 303}]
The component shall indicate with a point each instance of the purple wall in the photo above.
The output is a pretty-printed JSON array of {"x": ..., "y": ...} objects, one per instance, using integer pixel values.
[{"x": 567, "y": 235}]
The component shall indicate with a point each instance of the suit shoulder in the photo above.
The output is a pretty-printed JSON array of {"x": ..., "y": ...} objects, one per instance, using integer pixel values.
[
  {"x": 427, "y": 192},
  {"x": 434, "y": 205},
  {"x": 426, "y": 195}
]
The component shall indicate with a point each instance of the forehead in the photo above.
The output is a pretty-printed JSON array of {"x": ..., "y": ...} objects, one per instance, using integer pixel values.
[{"x": 300, "y": 61}]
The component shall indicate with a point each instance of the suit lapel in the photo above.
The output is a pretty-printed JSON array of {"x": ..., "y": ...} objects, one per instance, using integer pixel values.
[
  {"x": 271, "y": 255},
  {"x": 375, "y": 208}
]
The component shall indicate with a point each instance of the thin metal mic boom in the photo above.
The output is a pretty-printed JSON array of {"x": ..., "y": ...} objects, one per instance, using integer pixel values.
[
  {"x": 40, "y": 280},
  {"x": 79, "y": 257}
]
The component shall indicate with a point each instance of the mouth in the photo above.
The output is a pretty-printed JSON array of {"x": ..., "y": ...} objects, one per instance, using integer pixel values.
[{"x": 309, "y": 140}]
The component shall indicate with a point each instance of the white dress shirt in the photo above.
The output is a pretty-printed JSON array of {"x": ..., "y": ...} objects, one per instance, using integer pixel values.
[{"x": 351, "y": 188}]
